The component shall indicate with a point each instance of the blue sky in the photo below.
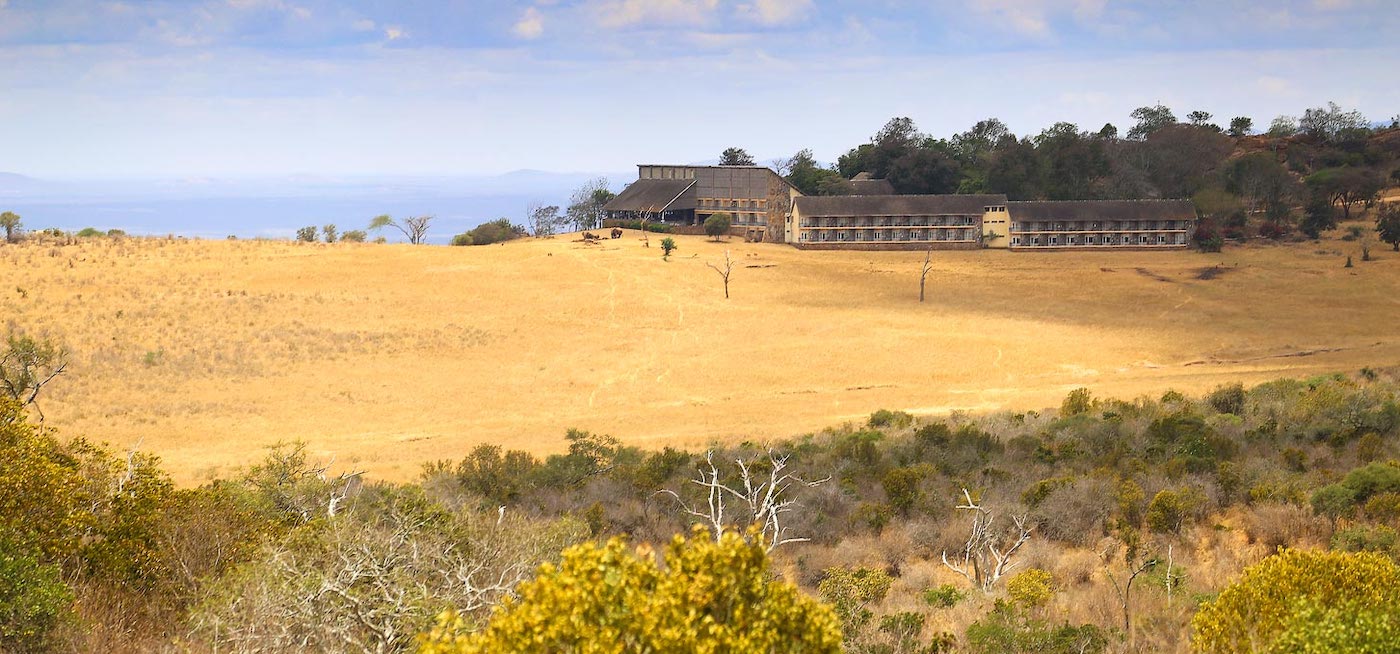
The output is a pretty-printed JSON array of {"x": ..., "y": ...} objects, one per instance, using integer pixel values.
[{"x": 188, "y": 88}]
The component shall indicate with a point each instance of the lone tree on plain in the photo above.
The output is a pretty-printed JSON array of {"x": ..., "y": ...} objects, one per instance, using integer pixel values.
[
  {"x": 718, "y": 225},
  {"x": 414, "y": 227},
  {"x": 668, "y": 245},
  {"x": 10, "y": 221},
  {"x": 923, "y": 275},
  {"x": 544, "y": 219},
  {"x": 724, "y": 272},
  {"x": 27, "y": 365}
]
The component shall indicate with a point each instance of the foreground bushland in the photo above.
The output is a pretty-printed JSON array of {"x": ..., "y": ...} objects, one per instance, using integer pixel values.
[{"x": 1105, "y": 525}]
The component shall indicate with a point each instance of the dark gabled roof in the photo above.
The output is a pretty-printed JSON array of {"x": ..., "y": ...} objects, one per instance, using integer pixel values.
[
  {"x": 869, "y": 186},
  {"x": 655, "y": 195},
  {"x": 840, "y": 206},
  {"x": 1102, "y": 210}
]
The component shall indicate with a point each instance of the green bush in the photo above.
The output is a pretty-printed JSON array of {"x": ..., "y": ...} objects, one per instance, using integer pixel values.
[
  {"x": 651, "y": 226},
  {"x": 353, "y": 236},
  {"x": 850, "y": 590},
  {"x": 1031, "y": 588},
  {"x": 495, "y": 231},
  {"x": 1367, "y": 538},
  {"x": 89, "y": 232},
  {"x": 887, "y": 418},
  {"x": 307, "y": 234},
  {"x": 1078, "y": 401},
  {"x": 1008, "y": 630},
  {"x": 943, "y": 597},
  {"x": 34, "y": 602},
  {"x": 1228, "y": 399},
  {"x": 668, "y": 245},
  {"x": 462, "y": 239}
]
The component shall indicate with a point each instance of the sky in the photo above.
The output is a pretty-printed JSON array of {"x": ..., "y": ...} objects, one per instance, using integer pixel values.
[{"x": 229, "y": 88}]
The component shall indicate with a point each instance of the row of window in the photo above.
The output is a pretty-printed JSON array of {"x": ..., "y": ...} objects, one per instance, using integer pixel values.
[
  {"x": 723, "y": 203},
  {"x": 892, "y": 235},
  {"x": 921, "y": 221},
  {"x": 1094, "y": 226},
  {"x": 1099, "y": 239}
]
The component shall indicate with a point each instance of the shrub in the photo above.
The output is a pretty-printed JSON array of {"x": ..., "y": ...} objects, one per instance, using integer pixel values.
[
  {"x": 668, "y": 245},
  {"x": 1367, "y": 538},
  {"x": 1078, "y": 401},
  {"x": 850, "y": 590},
  {"x": 465, "y": 238},
  {"x": 353, "y": 236},
  {"x": 886, "y": 418},
  {"x": 89, "y": 232},
  {"x": 34, "y": 602},
  {"x": 1009, "y": 630},
  {"x": 495, "y": 231},
  {"x": 1031, "y": 588},
  {"x": 717, "y": 225},
  {"x": 1273, "y": 598},
  {"x": 1170, "y": 510},
  {"x": 1384, "y": 507},
  {"x": 902, "y": 487},
  {"x": 945, "y": 596},
  {"x": 651, "y": 226},
  {"x": 710, "y": 597},
  {"x": 331, "y": 232},
  {"x": 1227, "y": 399}
]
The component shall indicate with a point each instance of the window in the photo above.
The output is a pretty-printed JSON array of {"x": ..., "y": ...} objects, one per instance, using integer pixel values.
[
  {"x": 1054, "y": 240},
  {"x": 1015, "y": 240}
]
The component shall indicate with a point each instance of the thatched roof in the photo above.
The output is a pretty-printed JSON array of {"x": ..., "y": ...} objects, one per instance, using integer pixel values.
[
  {"x": 1102, "y": 210},
  {"x": 844, "y": 206},
  {"x": 655, "y": 195}
]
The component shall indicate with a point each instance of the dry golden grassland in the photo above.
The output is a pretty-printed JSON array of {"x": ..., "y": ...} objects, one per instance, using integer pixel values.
[{"x": 384, "y": 357}]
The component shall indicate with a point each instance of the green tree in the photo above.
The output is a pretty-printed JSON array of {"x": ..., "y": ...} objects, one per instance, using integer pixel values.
[
  {"x": 1149, "y": 120},
  {"x": 811, "y": 179},
  {"x": 668, "y": 245},
  {"x": 330, "y": 232},
  {"x": 1283, "y": 126},
  {"x": 1329, "y": 122},
  {"x": 1274, "y": 602},
  {"x": 307, "y": 234},
  {"x": 9, "y": 221},
  {"x": 353, "y": 236},
  {"x": 710, "y": 597},
  {"x": 1345, "y": 185},
  {"x": 735, "y": 157},
  {"x": 1200, "y": 118},
  {"x": 1074, "y": 162},
  {"x": 1241, "y": 126},
  {"x": 1388, "y": 224},
  {"x": 717, "y": 225}
]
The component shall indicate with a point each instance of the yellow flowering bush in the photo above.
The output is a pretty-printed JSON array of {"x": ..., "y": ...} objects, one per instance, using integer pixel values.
[
  {"x": 603, "y": 599},
  {"x": 1280, "y": 598}
]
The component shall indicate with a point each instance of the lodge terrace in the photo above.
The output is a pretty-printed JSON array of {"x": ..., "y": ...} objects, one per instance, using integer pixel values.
[{"x": 764, "y": 206}]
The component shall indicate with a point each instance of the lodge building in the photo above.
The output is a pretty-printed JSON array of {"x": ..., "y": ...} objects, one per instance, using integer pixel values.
[{"x": 764, "y": 206}]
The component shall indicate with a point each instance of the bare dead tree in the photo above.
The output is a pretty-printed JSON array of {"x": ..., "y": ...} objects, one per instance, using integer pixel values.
[
  {"x": 646, "y": 240},
  {"x": 1133, "y": 567},
  {"x": 764, "y": 500},
  {"x": 413, "y": 227},
  {"x": 27, "y": 365},
  {"x": 724, "y": 272},
  {"x": 923, "y": 274},
  {"x": 986, "y": 557}
]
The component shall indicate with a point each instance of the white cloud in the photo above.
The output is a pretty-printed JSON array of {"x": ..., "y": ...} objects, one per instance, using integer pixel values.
[
  {"x": 625, "y": 13},
  {"x": 775, "y": 12},
  {"x": 394, "y": 32},
  {"x": 530, "y": 25}
]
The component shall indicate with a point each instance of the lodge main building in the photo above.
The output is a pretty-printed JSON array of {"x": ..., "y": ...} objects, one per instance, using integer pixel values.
[{"x": 764, "y": 206}]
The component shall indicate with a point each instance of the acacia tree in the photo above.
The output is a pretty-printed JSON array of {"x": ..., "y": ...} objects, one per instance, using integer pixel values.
[
  {"x": 414, "y": 227},
  {"x": 27, "y": 365},
  {"x": 10, "y": 222}
]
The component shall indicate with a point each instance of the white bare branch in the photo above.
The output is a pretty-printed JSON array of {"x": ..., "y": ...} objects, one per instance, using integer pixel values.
[
  {"x": 764, "y": 499},
  {"x": 986, "y": 557}
]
